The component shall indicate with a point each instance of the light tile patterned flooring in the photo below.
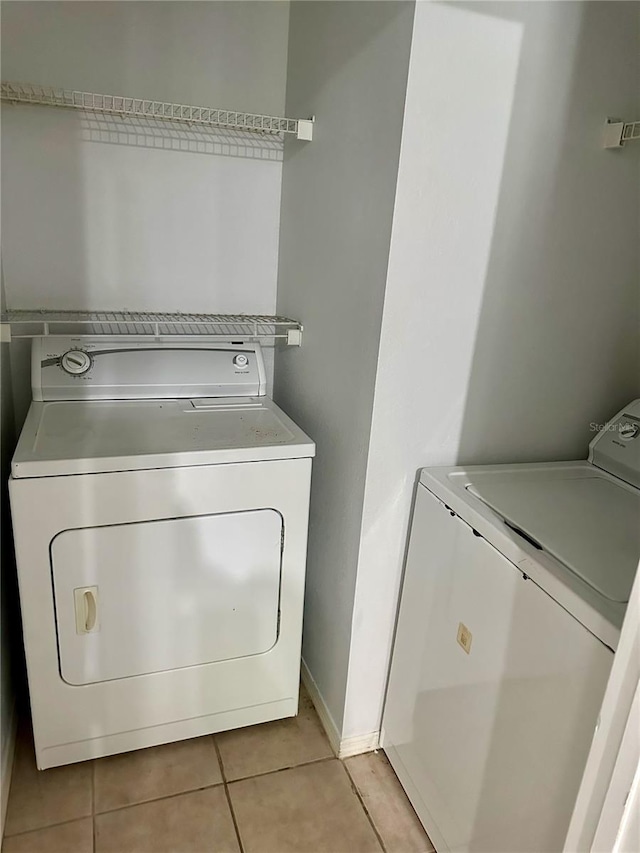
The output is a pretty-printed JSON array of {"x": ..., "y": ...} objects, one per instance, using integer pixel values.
[{"x": 274, "y": 788}]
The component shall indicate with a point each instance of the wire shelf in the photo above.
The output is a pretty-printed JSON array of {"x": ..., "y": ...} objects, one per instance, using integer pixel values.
[
  {"x": 229, "y": 327},
  {"x": 50, "y": 96},
  {"x": 630, "y": 131}
]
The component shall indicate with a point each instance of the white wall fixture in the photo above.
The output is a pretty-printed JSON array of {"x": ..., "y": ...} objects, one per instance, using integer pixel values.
[
  {"x": 122, "y": 105},
  {"x": 616, "y": 132}
]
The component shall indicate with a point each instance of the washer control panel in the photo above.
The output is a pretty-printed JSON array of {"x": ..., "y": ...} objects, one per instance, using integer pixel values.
[
  {"x": 616, "y": 447},
  {"x": 101, "y": 368},
  {"x": 629, "y": 430}
]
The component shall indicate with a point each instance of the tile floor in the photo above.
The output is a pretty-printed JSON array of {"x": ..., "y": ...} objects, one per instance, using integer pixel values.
[{"x": 274, "y": 788}]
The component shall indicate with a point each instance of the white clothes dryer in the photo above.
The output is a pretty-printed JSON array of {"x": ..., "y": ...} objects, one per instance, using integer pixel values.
[
  {"x": 516, "y": 585},
  {"x": 160, "y": 505}
]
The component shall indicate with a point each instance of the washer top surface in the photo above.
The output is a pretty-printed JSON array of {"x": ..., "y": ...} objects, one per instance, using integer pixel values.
[
  {"x": 590, "y": 524},
  {"x": 571, "y": 527},
  {"x": 97, "y": 436}
]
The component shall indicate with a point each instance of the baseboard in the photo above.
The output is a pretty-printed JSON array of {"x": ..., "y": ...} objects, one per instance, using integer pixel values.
[
  {"x": 343, "y": 747},
  {"x": 7, "y": 767},
  {"x": 357, "y": 745},
  {"x": 324, "y": 713}
]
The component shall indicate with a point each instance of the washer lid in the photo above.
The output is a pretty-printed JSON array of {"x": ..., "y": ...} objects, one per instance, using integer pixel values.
[
  {"x": 100, "y": 436},
  {"x": 590, "y": 524}
]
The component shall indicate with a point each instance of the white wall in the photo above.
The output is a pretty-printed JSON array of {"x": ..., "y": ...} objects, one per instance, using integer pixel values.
[
  {"x": 347, "y": 65},
  {"x": 512, "y": 302},
  {"x": 108, "y": 213}
]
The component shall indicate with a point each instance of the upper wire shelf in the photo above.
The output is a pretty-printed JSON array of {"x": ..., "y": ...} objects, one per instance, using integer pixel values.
[
  {"x": 228, "y": 327},
  {"x": 617, "y": 133},
  {"x": 121, "y": 105}
]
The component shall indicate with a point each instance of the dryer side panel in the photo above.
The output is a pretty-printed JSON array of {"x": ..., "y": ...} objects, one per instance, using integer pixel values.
[{"x": 153, "y": 596}]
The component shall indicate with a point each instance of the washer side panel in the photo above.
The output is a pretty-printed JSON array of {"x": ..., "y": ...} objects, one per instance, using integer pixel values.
[{"x": 493, "y": 696}]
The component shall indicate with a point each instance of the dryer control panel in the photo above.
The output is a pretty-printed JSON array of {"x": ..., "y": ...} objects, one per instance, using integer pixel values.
[
  {"x": 616, "y": 447},
  {"x": 96, "y": 368}
]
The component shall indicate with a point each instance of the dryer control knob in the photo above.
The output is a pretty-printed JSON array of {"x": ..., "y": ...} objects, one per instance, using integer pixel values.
[
  {"x": 75, "y": 361},
  {"x": 240, "y": 360}
]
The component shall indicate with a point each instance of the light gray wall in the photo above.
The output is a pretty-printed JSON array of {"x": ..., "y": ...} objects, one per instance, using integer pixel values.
[
  {"x": 512, "y": 307},
  {"x": 348, "y": 66},
  {"x": 105, "y": 213}
]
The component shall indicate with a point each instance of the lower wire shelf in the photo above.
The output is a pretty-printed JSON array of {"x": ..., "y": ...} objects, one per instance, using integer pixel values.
[{"x": 255, "y": 327}]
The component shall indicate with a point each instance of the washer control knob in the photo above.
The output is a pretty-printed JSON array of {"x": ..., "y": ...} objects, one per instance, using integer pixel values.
[
  {"x": 75, "y": 361},
  {"x": 629, "y": 431},
  {"x": 240, "y": 360}
]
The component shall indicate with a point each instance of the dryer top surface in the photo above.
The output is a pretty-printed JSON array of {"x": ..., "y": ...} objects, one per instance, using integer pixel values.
[{"x": 98, "y": 436}]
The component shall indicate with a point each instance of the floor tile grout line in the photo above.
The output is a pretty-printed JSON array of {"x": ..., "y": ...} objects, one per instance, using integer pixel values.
[
  {"x": 224, "y": 781},
  {"x": 216, "y": 749},
  {"x": 431, "y": 849},
  {"x": 161, "y": 796},
  {"x": 228, "y": 795},
  {"x": 126, "y": 806},
  {"x": 233, "y": 818},
  {"x": 356, "y": 791},
  {"x": 282, "y": 769},
  {"x": 47, "y": 826}
]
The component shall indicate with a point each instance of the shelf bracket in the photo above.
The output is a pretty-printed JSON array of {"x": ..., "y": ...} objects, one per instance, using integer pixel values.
[
  {"x": 612, "y": 137},
  {"x": 618, "y": 132},
  {"x": 294, "y": 337},
  {"x": 305, "y": 128}
]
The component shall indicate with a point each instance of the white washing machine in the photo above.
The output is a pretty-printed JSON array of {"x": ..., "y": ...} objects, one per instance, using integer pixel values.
[
  {"x": 516, "y": 585},
  {"x": 160, "y": 504}
]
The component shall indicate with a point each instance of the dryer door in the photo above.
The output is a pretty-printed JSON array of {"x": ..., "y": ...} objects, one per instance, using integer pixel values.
[{"x": 158, "y": 595}]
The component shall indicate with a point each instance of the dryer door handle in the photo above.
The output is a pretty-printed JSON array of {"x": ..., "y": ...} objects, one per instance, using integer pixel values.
[
  {"x": 91, "y": 610},
  {"x": 86, "y": 608}
]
